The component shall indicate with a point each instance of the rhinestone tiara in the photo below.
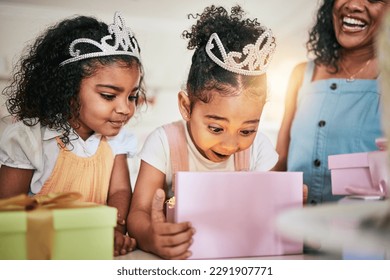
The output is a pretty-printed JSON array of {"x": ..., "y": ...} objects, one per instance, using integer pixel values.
[
  {"x": 257, "y": 56},
  {"x": 122, "y": 35}
]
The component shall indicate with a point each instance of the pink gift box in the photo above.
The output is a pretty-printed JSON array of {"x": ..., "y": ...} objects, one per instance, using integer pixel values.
[
  {"x": 234, "y": 213},
  {"x": 358, "y": 173}
]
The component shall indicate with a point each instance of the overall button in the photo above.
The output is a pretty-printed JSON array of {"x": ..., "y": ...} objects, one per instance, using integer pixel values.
[
  {"x": 321, "y": 123},
  {"x": 317, "y": 163},
  {"x": 333, "y": 86}
]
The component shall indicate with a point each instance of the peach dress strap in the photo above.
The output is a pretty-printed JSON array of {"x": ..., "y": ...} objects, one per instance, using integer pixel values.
[
  {"x": 89, "y": 176},
  {"x": 242, "y": 160},
  {"x": 177, "y": 148}
]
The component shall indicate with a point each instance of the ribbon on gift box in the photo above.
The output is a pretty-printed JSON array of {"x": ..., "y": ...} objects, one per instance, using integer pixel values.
[{"x": 40, "y": 228}]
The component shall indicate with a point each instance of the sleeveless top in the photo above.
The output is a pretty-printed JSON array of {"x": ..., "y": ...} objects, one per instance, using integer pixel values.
[
  {"x": 333, "y": 116},
  {"x": 88, "y": 176}
]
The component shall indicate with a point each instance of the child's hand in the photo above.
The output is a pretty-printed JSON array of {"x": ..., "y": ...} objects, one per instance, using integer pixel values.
[
  {"x": 123, "y": 243},
  {"x": 170, "y": 241}
]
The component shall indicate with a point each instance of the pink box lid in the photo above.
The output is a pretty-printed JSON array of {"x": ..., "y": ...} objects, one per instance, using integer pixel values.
[{"x": 353, "y": 160}]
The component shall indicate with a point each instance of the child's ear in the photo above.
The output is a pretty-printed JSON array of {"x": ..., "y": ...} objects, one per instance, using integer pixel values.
[{"x": 184, "y": 105}]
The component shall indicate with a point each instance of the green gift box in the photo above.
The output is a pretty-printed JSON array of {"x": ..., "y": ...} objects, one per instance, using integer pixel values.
[{"x": 76, "y": 233}]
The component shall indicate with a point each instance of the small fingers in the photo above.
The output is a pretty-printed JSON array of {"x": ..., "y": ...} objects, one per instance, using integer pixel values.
[
  {"x": 129, "y": 245},
  {"x": 170, "y": 228},
  {"x": 177, "y": 238},
  {"x": 178, "y": 252},
  {"x": 133, "y": 244},
  {"x": 175, "y": 246},
  {"x": 120, "y": 220},
  {"x": 118, "y": 241},
  {"x": 124, "y": 244}
]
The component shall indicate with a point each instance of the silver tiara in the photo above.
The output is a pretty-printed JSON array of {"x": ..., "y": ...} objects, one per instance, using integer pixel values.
[
  {"x": 258, "y": 55},
  {"x": 121, "y": 35}
]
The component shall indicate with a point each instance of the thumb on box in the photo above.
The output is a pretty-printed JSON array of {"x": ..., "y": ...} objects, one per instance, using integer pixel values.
[{"x": 157, "y": 214}]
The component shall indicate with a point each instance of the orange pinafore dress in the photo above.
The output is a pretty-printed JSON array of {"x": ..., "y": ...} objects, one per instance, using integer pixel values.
[{"x": 89, "y": 176}]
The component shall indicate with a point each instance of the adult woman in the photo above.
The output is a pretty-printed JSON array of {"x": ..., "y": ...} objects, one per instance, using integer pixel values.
[{"x": 332, "y": 102}]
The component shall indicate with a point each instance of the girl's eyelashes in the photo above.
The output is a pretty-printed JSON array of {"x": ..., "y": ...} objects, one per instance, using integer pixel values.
[
  {"x": 108, "y": 97},
  {"x": 247, "y": 132},
  {"x": 133, "y": 97},
  {"x": 215, "y": 129},
  {"x": 219, "y": 130}
]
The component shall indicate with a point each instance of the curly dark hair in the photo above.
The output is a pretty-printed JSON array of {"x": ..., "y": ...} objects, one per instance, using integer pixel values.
[
  {"x": 235, "y": 32},
  {"x": 44, "y": 92},
  {"x": 322, "y": 42}
]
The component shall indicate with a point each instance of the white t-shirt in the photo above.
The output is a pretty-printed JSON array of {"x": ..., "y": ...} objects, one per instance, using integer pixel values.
[
  {"x": 155, "y": 152},
  {"x": 36, "y": 148}
]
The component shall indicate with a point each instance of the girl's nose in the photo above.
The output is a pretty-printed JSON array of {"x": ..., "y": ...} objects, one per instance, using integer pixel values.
[
  {"x": 230, "y": 145},
  {"x": 124, "y": 108}
]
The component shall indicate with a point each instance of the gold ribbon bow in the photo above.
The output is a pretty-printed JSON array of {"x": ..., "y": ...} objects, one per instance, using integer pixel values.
[
  {"x": 23, "y": 202},
  {"x": 40, "y": 229}
]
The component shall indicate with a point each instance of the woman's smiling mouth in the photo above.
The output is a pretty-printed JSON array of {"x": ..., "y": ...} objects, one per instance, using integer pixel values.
[{"x": 353, "y": 24}]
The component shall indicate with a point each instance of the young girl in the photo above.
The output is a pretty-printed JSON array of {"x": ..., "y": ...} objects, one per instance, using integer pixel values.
[
  {"x": 72, "y": 94},
  {"x": 221, "y": 107}
]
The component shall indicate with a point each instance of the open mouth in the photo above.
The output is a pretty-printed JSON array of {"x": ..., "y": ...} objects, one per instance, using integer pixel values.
[
  {"x": 353, "y": 24},
  {"x": 221, "y": 156}
]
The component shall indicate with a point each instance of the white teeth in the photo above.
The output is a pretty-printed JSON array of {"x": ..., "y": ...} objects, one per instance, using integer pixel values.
[{"x": 353, "y": 21}]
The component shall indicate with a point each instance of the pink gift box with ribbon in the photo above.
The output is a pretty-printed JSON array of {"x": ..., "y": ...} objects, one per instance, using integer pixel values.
[
  {"x": 234, "y": 213},
  {"x": 359, "y": 173}
]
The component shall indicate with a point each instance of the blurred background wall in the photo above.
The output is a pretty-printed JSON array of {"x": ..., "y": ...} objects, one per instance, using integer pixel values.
[{"x": 158, "y": 25}]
